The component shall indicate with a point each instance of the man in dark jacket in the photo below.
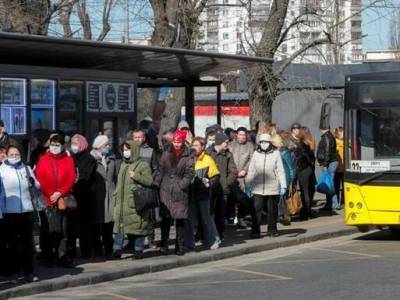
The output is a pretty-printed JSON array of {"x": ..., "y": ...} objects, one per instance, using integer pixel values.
[
  {"x": 228, "y": 176},
  {"x": 328, "y": 158}
]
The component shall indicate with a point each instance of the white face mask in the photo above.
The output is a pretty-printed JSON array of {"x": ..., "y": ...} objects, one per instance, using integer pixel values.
[
  {"x": 210, "y": 143},
  {"x": 264, "y": 146},
  {"x": 55, "y": 149},
  {"x": 14, "y": 160},
  {"x": 127, "y": 154},
  {"x": 74, "y": 149}
]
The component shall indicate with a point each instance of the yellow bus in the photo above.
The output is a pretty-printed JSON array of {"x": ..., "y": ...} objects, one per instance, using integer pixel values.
[{"x": 372, "y": 150}]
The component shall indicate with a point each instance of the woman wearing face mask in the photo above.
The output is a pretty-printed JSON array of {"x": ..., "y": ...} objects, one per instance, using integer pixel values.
[
  {"x": 57, "y": 174},
  {"x": 128, "y": 220},
  {"x": 174, "y": 178},
  {"x": 17, "y": 209},
  {"x": 267, "y": 179},
  {"x": 86, "y": 168},
  {"x": 103, "y": 187}
]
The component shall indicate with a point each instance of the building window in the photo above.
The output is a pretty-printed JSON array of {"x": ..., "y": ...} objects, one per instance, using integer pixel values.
[
  {"x": 225, "y": 47},
  {"x": 284, "y": 48},
  {"x": 225, "y": 24},
  {"x": 225, "y": 36}
]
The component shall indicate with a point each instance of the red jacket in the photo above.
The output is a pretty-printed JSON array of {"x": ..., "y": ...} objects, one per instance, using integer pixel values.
[{"x": 55, "y": 173}]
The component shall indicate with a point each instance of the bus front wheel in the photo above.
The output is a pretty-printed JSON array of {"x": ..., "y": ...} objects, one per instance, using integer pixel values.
[{"x": 363, "y": 229}]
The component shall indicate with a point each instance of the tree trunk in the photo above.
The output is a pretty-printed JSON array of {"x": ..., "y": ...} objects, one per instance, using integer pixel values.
[
  {"x": 172, "y": 112},
  {"x": 262, "y": 88},
  {"x": 31, "y": 17},
  {"x": 147, "y": 102}
]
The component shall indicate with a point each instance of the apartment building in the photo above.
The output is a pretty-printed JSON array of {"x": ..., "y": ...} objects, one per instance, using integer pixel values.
[{"x": 235, "y": 26}]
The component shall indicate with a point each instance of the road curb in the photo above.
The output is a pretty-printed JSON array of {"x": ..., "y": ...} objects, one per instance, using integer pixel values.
[{"x": 170, "y": 262}]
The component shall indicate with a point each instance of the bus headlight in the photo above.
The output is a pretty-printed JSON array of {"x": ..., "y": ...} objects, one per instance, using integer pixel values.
[
  {"x": 353, "y": 216},
  {"x": 359, "y": 205},
  {"x": 351, "y": 204}
]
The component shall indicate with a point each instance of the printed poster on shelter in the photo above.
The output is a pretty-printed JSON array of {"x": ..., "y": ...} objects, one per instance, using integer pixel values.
[{"x": 109, "y": 97}]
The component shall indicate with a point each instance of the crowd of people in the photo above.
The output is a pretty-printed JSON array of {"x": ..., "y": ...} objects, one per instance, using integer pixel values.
[{"x": 111, "y": 200}]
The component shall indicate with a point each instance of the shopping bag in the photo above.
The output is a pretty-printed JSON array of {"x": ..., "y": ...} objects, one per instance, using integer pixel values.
[
  {"x": 325, "y": 183},
  {"x": 293, "y": 201}
]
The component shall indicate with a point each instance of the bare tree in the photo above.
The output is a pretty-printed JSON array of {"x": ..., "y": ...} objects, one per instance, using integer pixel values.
[
  {"x": 263, "y": 80},
  {"x": 29, "y": 16},
  {"x": 176, "y": 24}
]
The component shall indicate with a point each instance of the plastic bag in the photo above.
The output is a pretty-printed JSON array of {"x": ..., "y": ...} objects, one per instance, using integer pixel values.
[{"x": 325, "y": 184}]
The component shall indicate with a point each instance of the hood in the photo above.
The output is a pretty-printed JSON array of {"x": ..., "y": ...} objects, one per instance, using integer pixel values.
[{"x": 135, "y": 152}]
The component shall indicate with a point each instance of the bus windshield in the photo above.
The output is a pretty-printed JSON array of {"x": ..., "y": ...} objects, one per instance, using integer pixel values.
[{"x": 373, "y": 139}]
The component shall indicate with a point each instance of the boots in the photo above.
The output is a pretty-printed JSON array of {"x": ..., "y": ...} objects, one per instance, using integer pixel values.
[
  {"x": 165, "y": 228},
  {"x": 179, "y": 249}
]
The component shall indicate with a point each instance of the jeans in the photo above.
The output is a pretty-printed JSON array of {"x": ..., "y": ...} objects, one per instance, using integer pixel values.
[
  {"x": 307, "y": 182},
  {"x": 136, "y": 240},
  {"x": 332, "y": 200},
  {"x": 200, "y": 208}
]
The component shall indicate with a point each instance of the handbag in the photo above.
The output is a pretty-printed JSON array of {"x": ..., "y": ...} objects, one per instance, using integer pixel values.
[
  {"x": 54, "y": 219},
  {"x": 325, "y": 183},
  {"x": 68, "y": 201},
  {"x": 38, "y": 202},
  {"x": 144, "y": 197},
  {"x": 293, "y": 202}
]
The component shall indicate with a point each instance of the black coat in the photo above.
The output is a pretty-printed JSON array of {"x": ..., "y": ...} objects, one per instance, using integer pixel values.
[
  {"x": 327, "y": 152},
  {"x": 174, "y": 179},
  {"x": 303, "y": 157},
  {"x": 86, "y": 168}
]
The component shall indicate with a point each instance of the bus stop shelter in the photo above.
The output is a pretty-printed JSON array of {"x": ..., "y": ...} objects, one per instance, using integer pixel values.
[{"x": 78, "y": 86}]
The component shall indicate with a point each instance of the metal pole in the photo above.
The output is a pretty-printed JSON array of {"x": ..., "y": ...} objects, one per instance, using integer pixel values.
[
  {"x": 126, "y": 30},
  {"x": 219, "y": 108}
]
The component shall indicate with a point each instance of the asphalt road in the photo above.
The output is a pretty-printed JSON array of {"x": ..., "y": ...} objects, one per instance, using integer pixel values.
[{"x": 362, "y": 266}]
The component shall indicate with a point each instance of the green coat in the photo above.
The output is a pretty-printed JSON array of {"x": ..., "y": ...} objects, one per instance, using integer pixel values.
[{"x": 127, "y": 219}]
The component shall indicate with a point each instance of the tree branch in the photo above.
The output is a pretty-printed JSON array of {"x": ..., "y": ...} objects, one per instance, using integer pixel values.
[{"x": 285, "y": 63}]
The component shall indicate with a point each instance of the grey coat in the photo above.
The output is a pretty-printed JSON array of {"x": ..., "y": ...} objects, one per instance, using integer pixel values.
[
  {"x": 242, "y": 154},
  {"x": 103, "y": 189}
]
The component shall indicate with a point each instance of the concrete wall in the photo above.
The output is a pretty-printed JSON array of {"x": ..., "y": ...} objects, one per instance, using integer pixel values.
[{"x": 305, "y": 107}]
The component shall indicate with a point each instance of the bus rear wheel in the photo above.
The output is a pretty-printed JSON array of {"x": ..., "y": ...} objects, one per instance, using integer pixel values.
[{"x": 363, "y": 229}]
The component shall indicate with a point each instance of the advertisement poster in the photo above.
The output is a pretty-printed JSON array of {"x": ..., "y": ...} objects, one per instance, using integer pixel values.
[
  {"x": 42, "y": 92},
  {"x": 12, "y": 91},
  {"x": 18, "y": 120},
  {"x": 110, "y": 97}
]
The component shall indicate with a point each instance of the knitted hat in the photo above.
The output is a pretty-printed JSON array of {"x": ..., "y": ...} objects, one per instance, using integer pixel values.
[
  {"x": 220, "y": 138},
  {"x": 99, "y": 141},
  {"x": 265, "y": 137},
  {"x": 83, "y": 144}
]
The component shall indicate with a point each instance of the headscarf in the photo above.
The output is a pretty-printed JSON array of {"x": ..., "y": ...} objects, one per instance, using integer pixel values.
[
  {"x": 180, "y": 137},
  {"x": 82, "y": 141}
]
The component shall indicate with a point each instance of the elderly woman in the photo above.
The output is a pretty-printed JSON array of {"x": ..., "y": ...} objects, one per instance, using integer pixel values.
[
  {"x": 86, "y": 167},
  {"x": 17, "y": 210},
  {"x": 267, "y": 179},
  {"x": 133, "y": 173},
  {"x": 103, "y": 187},
  {"x": 174, "y": 179}
]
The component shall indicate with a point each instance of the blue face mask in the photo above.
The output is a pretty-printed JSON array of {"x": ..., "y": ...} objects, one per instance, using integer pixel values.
[{"x": 105, "y": 151}]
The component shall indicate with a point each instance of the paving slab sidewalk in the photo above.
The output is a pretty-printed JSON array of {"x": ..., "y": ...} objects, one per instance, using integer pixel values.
[{"x": 237, "y": 243}]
